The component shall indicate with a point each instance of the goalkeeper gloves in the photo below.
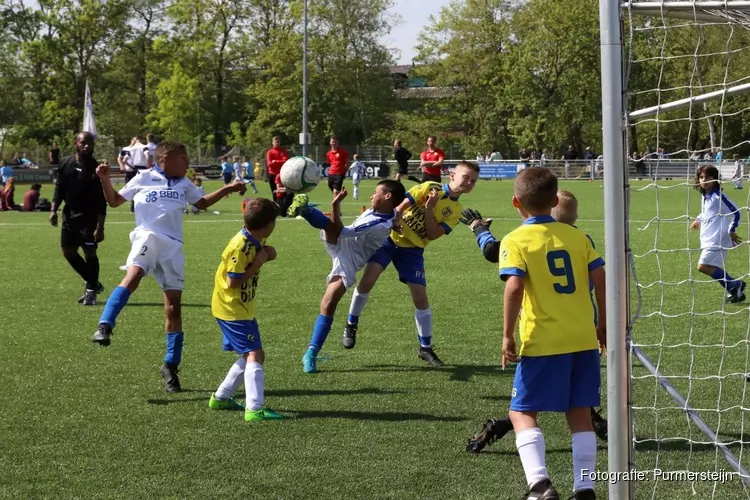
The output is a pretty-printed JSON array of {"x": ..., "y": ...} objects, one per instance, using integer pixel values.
[{"x": 474, "y": 220}]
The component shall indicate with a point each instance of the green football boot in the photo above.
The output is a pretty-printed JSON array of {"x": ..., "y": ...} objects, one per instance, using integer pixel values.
[
  {"x": 224, "y": 404},
  {"x": 299, "y": 203},
  {"x": 262, "y": 414}
]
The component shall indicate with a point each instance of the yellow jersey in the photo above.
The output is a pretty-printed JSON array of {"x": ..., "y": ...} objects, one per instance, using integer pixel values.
[
  {"x": 235, "y": 304},
  {"x": 555, "y": 260},
  {"x": 446, "y": 212}
]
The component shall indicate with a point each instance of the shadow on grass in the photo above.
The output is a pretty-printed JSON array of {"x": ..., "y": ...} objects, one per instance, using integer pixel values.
[
  {"x": 496, "y": 398},
  {"x": 285, "y": 393},
  {"x": 161, "y": 304},
  {"x": 384, "y": 416},
  {"x": 459, "y": 373},
  {"x": 514, "y": 453},
  {"x": 678, "y": 446},
  {"x": 282, "y": 393}
]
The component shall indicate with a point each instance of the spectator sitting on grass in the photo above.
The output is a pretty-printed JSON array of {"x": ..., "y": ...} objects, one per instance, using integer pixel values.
[{"x": 31, "y": 198}]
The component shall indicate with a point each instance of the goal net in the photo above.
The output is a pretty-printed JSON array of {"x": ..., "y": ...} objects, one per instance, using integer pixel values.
[{"x": 685, "y": 78}]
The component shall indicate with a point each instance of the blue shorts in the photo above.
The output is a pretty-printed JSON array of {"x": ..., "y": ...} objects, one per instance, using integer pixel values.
[
  {"x": 228, "y": 177},
  {"x": 409, "y": 262},
  {"x": 240, "y": 336},
  {"x": 557, "y": 383}
]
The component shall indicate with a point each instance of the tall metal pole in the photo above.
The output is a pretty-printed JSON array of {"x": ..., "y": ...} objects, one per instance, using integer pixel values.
[
  {"x": 303, "y": 139},
  {"x": 616, "y": 251}
]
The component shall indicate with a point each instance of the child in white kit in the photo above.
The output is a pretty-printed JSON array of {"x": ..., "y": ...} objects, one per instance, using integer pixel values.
[{"x": 358, "y": 172}]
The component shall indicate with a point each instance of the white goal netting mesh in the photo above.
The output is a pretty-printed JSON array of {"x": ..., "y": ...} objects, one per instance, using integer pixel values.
[{"x": 686, "y": 78}]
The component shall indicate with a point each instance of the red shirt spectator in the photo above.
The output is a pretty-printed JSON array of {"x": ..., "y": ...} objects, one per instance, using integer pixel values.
[
  {"x": 280, "y": 189},
  {"x": 275, "y": 158},
  {"x": 31, "y": 198},
  {"x": 338, "y": 161},
  {"x": 433, "y": 156}
]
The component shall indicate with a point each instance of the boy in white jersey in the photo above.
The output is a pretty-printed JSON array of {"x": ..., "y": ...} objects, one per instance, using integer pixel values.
[
  {"x": 358, "y": 172},
  {"x": 160, "y": 195},
  {"x": 718, "y": 221},
  {"x": 350, "y": 247},
  {"x": 237, "y": 166},
  {"x": 737, "y": 174}
]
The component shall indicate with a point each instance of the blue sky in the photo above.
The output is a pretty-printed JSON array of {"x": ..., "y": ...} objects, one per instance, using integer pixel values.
[{"x": 414, "y": 16}]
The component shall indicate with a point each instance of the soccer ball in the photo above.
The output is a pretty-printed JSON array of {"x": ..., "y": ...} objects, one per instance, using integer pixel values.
[{"x": 300, "y": 174}]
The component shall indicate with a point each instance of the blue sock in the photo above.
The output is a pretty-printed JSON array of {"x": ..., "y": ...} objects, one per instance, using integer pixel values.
[
  {"x": 114, "y": 305},
  {"x": 174, "y": 348},
  {"x": 352, "y": 319},
  {"x": 315, "y": 217},
  {"x": 320, "y": 332},
  {"x": 724, "y": 279}
]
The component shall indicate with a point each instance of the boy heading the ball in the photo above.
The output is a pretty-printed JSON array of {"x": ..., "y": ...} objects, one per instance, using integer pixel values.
[
  {"x": 547, "y": 266},
  {"x": 160, "y": 195},
  {"x": 233, "y": 306},
  {"x": 429, "y": 211},
  {"x": 350, "y": 247}
]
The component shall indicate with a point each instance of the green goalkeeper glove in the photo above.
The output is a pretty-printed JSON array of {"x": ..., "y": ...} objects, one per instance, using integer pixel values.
[{"x": 474, "y": 220}]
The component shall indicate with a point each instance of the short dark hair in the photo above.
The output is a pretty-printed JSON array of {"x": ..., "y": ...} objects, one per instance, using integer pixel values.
[
  {"x": 150, "y": 137},
  {"x": 396, "y": 189},
  {"x": 276, "y": 138},
  {"x": 166, "y": 147},
  {"x": 260, "y": 212},
  {"x": 472, "y": 165},
  {"x": 334, "y": 138},
  {"x": 536, "y": 188},
  {"x": 432, "y": 137},
  {"x": 36, "y": 187}
]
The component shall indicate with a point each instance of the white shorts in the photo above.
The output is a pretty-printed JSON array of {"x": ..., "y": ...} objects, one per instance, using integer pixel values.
[
  {"x": 158, "y": 255},
  {"x": 355, "y": 180},
  {"x": 713, "y": 257},
  {"x": 343, "y": 264}
]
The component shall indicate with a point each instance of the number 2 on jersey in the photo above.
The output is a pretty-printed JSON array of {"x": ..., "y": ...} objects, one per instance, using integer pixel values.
[{"x": 565, "y": 270}]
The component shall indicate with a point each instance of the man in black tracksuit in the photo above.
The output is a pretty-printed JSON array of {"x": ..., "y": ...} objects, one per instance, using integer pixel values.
[{"x": 83, "y": 214}]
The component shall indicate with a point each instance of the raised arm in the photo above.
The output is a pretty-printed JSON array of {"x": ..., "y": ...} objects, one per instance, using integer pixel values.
[
  {"x": 113, "y": 198},
  {"x": 237, "y": 186}
]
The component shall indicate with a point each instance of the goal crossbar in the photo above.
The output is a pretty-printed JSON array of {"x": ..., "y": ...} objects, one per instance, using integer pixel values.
[
  {"x": 688, "y": 101},
  {"x": 713, "y": 11}
]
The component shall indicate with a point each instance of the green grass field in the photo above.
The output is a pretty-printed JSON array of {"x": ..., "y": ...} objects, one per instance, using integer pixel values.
[{"x": 88, "y": 422}]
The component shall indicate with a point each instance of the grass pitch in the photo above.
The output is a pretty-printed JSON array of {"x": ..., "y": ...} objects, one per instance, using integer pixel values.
[{"x": 82, "y": 421}]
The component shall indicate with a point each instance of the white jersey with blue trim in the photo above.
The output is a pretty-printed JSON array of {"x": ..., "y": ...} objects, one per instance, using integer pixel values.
[
  {"x": 159, "y": 201},
  {"x": 719, "y": 217},
  {"x": 363, "y": 237},
  {"x": 357, "y": 170}
]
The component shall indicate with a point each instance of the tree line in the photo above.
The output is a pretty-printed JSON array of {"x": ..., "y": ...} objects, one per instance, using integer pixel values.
[{"x": 216, "y": 73}]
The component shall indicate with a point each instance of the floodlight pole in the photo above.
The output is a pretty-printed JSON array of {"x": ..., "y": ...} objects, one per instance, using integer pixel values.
[
  {"x": 303, "y": 138},
  {"x": 615, "y": 186}
]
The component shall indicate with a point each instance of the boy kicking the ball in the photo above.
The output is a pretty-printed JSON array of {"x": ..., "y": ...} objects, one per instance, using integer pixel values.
[
  {"x": 233, "y": 306},
  {"x": 429, "y": 211},
  {"x": 546, "y": 266},
  {"x": 160, "y": 194},
  {"x": 350, "y": 247}
]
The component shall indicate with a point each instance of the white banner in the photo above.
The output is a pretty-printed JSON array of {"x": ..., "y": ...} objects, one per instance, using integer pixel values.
[{"x": 89, "y": 123}]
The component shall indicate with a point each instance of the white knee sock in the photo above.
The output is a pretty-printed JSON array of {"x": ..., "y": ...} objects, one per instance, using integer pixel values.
[
  {"x": 530, "y": 444},
  {"x": 359, "y": 300},
  {"x": 356, "y": 192},
  {"x": 254, "y": 386},
  {"x": 584, "y": 458},
  {"x": 232, "y": 381},
  {"x": 423, "y": 318}
]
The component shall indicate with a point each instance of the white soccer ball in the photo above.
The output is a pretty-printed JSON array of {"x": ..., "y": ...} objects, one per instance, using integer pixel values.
[{"x": 300, "y": 174}]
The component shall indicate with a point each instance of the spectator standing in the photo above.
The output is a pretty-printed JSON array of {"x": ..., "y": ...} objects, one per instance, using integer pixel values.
[
  {"x": 136, "y": 159},
  {"x": 588, "y": 154},
  {"x": 150, "y": 151},
  {"x": 431, "y": 161},
  {"x": 275, "y": 159},
  {"x": 402, "y": 157},
  {"x": 31, "y": 198},
  {"x": 640, "y": 165},
  {"x": 570, "y": 154},
  {"x": 54, "y": 155},
  {"x": 83, "y": 214},
  {"x": 338, "y": 160},
  {"x": 5, "y": 173},
  {"x": 16, "y": 159},
  {"x": 495, "y": 156}
]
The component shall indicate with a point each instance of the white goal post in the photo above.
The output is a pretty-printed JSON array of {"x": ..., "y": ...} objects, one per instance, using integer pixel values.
[{"x": 622, "y": 350}]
